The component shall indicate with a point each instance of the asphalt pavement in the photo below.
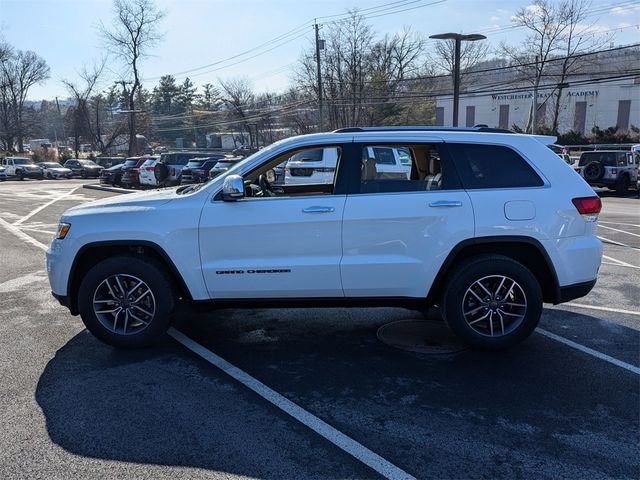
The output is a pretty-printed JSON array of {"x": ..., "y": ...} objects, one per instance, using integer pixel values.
[{"x": 311, "y": 393}]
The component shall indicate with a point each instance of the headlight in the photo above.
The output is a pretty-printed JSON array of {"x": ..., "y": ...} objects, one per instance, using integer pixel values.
[{"x": 63, "y": 229}]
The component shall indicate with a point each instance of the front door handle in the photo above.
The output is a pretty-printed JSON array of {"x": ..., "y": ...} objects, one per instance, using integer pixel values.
[
  {"x": 318, "y": 209},
  {"x": 446, "y": 203}
]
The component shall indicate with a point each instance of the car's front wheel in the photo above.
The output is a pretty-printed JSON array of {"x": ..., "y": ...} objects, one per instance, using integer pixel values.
[
  {"x": 492, "y": 302},
  {"x": 127, "y": 301}
]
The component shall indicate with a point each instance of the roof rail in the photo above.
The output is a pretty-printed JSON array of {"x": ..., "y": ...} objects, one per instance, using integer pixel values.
[{"x": 423, "y": 128}]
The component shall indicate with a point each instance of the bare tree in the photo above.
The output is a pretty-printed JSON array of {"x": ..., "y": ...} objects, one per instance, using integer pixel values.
[
  {"x": 578, "y": 38},
  {"x": 238, "y": 95},
  {"x": 546, "y": 23},
  {"x": 471, "y": 54},
  {"x": 133, "y": 33},
  {"x": 19, "y": 71}
]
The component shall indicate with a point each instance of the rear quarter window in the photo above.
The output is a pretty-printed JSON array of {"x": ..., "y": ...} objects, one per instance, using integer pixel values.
[{"x": 492, "y": 166}]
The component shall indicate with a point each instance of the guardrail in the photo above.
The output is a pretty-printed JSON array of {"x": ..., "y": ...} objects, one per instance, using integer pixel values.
[{"x": 601, "y": 146}]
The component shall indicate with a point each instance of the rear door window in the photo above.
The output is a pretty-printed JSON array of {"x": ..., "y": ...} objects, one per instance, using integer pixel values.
[{"x": 492, "y": 166}]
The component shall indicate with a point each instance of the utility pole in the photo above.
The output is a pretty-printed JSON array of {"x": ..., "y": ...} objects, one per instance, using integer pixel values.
[
  {"x": 534, "y": 127},
  {"x": 319, "y": 75},
  {"x": 62, "y": 120}
]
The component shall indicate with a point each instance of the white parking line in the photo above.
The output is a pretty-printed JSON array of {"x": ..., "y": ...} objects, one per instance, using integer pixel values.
[
  {"x": 345, "y": 443},
  {"x": 619, "y": 262},
  {"x": 590, "y": 351},
  {"x": 603, "y": 309},
  {"x": 605, "y": 239},
  {"x": 619, "y": 223},
  {"x": 621, "y": 231},
  {"x": 42, "y": 207},
  {"x": 20, "y": 234}
]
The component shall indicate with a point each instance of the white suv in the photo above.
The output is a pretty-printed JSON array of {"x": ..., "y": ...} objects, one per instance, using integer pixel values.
[
  {"x": 487, "y": 225},
  {"x": 319, "y": 165}
]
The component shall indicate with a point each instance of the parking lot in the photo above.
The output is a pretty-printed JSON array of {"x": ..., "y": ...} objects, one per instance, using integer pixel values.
[{"x": 311, "y": 393}]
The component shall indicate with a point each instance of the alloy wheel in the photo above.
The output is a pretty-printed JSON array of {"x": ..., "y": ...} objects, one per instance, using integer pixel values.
[
  {"x": 124, "y": 304},
  {"x": 494, "y": 306}
]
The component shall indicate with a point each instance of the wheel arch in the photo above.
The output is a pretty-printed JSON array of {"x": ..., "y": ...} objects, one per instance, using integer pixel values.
[
  {"x": 525, "y": 250},
  {"x": 94, "y": 252}
]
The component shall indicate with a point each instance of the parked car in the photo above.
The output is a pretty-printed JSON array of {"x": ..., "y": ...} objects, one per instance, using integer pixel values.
[
  {"x": 488, "y": 226},
  {"x": 3, "y": 174},
  {"x": 108, "y": 162},
  {"x": 112, "y": 175},
  {"x": 614, "y": 169},
  {"x": 197, "y": 170},
  {"x": 223, "y": 165},
  {"x": 131, "y": 172},
  {"x": 169, "y": 169},
  {"x": 147, "y": 175},
  {"x": 318, "y": 166},
  {"x": 53, "y": 170},
  {"x": 83, "y": 168},
  {"x": 21, "y": 168}
]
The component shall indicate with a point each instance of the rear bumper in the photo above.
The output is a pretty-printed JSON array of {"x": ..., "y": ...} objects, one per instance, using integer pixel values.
[{"x": 577, "y": 290}]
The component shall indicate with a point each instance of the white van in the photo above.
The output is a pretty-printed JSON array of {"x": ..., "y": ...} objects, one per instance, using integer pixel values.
[{"x": 318, "y": 166}]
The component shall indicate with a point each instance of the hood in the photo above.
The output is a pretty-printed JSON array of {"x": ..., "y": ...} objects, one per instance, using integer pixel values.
[
  {"x": 125, "y": 202},
  {"x": 59, "y": 169}
]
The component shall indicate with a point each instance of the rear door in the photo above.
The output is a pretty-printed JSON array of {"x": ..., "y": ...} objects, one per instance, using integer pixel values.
[{"x": 398, "y": 231}]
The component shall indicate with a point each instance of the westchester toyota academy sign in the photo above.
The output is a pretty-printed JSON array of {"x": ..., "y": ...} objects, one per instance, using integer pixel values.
[{"x": 524, "y": 96}]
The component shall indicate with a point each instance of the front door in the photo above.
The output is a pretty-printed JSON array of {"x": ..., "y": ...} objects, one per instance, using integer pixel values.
[{"x": 287, "y": 245}]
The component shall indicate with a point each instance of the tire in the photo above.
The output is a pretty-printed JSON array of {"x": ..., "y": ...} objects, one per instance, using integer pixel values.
[
  {"x": 622, "y": 186},
  {"x": 490, "y": 333},
  {"x": 49, "y": 176},
  {"x": 20, "y": 174},
  {"x": 83, "y": 174},
  {"x": 128, "y": 270},
  {"x": 593, "y": 171}
]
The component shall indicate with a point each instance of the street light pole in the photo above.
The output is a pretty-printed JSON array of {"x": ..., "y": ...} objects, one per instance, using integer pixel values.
[{"x": 458, "y": 39}]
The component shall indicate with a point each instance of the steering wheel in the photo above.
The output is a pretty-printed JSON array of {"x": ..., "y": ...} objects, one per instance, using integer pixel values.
[{"x": 265, "y": 186}]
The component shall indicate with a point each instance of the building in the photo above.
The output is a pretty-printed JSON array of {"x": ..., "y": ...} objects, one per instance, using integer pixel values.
[{"x": 602, "y": 90}]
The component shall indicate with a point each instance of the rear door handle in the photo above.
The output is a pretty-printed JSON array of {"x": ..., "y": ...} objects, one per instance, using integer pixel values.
[
  {"x": 446, "y": 203},
  {"x": 318, "y": 209}
]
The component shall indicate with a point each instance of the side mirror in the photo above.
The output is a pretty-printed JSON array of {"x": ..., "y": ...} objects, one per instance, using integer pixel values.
[
  {"x": 271, "y": 175},
  {"x": 232, "y": 188}
]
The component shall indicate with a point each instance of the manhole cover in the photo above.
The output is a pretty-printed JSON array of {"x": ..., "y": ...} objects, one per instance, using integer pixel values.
[{"x": 420, "y": 336}]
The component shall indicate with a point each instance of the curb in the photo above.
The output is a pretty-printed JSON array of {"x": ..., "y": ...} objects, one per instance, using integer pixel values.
[{"x": 108, "y": 189}]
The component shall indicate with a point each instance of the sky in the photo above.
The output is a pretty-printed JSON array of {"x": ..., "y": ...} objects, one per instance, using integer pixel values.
[{"x": 206, "y": 32}]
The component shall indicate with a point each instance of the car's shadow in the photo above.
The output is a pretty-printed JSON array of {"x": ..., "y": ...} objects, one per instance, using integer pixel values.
[{"x": 162, "y": 406}]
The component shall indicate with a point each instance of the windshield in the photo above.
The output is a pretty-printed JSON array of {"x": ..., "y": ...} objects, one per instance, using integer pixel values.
[
  {"x": 50, "y": 165},
  {"x": 149, "y": 162},
  {"x": 130, "y": 163},
  {"x": 22, "y": 161},
  {"x": 194, "y": 163},
  {"x": 88, "y": 163},
  {"x": 308, "y": 156}
]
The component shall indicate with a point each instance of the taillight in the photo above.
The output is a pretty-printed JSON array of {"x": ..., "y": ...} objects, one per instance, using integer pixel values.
[
  {"x": 588, "y": 207},
  {"x": 173, "y": 172},
  {"x": 151, "y": 169}
]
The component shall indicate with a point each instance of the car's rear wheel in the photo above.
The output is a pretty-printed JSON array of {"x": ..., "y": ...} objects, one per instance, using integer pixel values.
[
  {"x": 126, "y": 301},
  {"x": 622, "y": 186},
  {"x": 492, "y": 302},
  {"x": 49, "y": 176},
  {"x": 20, "y": 174}
]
